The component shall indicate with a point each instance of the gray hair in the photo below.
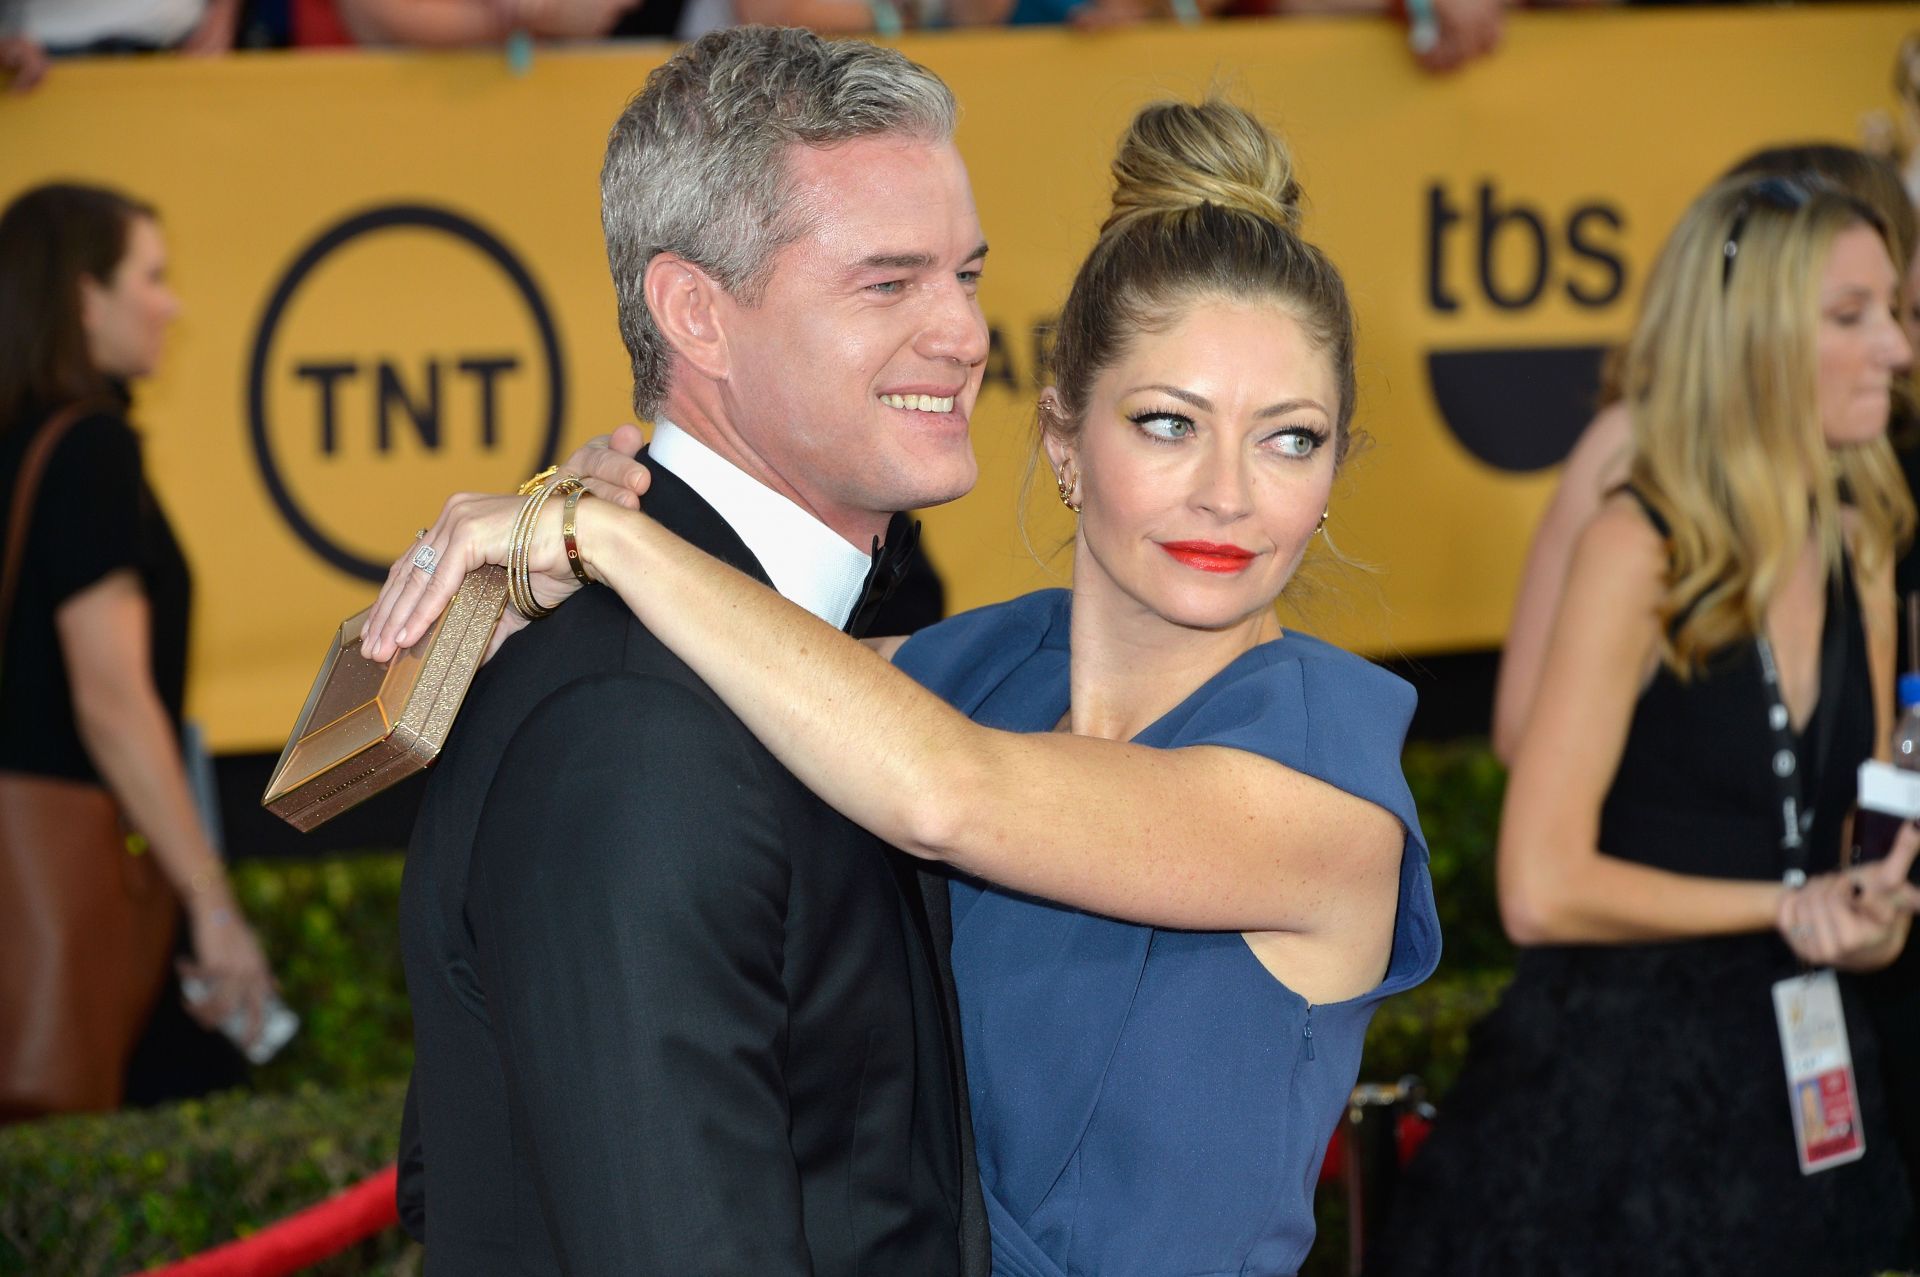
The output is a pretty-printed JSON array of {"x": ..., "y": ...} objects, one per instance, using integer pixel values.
[{"x": 697, "y": 163}]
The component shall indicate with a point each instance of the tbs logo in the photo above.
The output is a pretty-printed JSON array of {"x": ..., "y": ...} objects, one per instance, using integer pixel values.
[{"x": 1517, "y": 408}]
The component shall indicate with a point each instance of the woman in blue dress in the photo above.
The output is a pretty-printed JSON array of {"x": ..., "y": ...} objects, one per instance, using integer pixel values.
[{"x": 1189, "y": 865}]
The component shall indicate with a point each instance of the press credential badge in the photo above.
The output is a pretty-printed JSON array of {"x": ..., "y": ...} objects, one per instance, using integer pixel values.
[{"x": 1820, "y": 1087}]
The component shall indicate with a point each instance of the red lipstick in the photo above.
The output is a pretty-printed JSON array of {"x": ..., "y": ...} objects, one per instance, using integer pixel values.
[{"x": 1208, "y": 556}]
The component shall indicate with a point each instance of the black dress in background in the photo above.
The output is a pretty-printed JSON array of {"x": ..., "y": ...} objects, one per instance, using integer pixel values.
[
  {"x": 1624, "y": 1109},
  {"x": 96, "y": 515}
]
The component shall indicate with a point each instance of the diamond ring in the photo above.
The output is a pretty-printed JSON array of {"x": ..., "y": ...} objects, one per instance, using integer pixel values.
[{"x": 426, "y": 558}]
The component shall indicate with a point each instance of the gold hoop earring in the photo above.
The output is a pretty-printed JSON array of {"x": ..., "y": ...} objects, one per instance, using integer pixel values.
[
  {"x": 1065, "y": 484},
  {"x": 1321, "y": 526}
]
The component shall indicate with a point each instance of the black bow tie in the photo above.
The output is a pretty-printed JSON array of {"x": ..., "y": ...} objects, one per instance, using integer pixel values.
[{"x": 890, "y": 562}]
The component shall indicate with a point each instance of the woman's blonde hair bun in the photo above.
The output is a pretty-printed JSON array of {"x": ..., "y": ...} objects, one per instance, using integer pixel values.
[{"x": 1180, "y": 155}]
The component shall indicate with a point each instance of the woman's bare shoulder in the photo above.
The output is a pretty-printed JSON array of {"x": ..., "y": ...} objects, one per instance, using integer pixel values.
[
  {"x": 1620, "y": 552},
  {"x": 1600, "y": 456}
]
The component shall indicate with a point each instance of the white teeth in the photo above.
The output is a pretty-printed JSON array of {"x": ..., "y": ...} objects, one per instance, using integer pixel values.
[{"x": 919, "y": 403}]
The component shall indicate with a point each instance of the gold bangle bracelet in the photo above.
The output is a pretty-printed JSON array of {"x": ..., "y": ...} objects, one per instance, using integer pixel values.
[
  {"x": 569, "y": 521},
  {"x": 519, "y": 585},
  {"x": 516, "y": 553},
  {"x": 519, "y": 576}
]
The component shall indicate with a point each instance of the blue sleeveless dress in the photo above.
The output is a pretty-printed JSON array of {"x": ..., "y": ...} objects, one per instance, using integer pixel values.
[{"x": 1149, "y": 1101}]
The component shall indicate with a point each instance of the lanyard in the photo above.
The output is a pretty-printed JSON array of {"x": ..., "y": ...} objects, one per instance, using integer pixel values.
[{"x": 1790, "y": 785}]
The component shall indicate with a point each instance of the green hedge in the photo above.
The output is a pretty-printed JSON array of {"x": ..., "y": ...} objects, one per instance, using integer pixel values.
[
  {"x": 114, "y": 1194},
  {"x": 330, "y": 929},
  {"x": 1458, "y": 788},
  {"x": 119, "y": 1192}
]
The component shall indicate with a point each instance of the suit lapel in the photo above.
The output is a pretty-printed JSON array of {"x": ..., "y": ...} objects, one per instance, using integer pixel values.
[{"x": 681, "y": 510}]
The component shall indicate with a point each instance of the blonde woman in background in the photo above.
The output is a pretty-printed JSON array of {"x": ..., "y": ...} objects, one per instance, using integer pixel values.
[
  {"x": 1598, "y": 463},
  {"x": 1626, "y": 1107}
]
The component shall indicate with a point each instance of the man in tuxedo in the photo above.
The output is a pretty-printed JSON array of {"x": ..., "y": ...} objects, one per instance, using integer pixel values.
[{"x": 672, "y": 1014}]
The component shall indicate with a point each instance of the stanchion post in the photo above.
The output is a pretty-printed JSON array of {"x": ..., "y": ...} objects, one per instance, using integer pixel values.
[{"x": 1371, "y": 1145}]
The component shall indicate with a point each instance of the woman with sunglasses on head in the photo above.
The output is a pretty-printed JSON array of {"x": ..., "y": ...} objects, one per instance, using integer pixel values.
[
  {"x": 1151, "y": 1095},
  {"x": 1670, "y": 851},
  {"x": 1598, "y": 463}
]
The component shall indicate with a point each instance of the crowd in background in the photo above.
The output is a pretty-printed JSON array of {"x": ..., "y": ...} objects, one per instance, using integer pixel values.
[{"x": 1442, "y": 34}]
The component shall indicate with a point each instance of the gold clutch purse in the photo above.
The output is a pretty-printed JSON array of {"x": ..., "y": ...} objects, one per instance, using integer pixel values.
[{"x": 366, "y": 725}]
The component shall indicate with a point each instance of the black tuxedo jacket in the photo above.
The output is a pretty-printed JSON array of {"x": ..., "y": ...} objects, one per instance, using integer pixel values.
[{"x": 672, "y": 1014}]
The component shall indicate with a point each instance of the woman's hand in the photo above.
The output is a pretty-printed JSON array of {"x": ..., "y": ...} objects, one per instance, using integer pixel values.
[
  {"x": 476, "y": 529},
  {"x": 1856, "y": 920},
  {"x": 228, "y": 962}
]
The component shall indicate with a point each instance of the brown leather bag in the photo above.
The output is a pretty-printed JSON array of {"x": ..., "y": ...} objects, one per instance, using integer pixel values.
[{"x": 86, "y": 926}]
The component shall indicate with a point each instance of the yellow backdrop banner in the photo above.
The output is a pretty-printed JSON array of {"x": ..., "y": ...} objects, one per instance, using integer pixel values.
[{"x": 395, "y": 286}]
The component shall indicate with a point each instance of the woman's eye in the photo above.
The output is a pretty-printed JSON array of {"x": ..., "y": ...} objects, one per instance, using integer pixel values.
[
  {"x": 1298, "y": 442},
  {"x": 1165, "y": 426}
]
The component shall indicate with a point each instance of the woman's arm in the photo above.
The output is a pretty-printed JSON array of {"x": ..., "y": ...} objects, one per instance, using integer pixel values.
[
  {"x": 1556, "y": 885},
  {"x": 1205, "y": 837},
  {"x": 104, "y": 634},
  {"x": 1596, "y": 464}
]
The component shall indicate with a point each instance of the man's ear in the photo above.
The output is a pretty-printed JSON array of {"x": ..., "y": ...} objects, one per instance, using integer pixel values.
[{"x": 686, "y": 306}]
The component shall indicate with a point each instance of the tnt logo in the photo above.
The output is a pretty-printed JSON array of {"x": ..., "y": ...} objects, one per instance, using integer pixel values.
[{"x": 405, "y": 354}]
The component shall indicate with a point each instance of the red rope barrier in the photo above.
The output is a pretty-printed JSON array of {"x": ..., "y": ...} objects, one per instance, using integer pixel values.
[{"x": 307, "y": 1237}]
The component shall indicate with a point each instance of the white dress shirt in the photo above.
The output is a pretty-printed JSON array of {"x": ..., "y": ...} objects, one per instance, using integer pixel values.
[{"x": 806, "y": 560}]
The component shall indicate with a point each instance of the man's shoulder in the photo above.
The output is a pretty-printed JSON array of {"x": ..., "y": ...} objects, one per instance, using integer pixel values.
[
  {"x": 594, "y": 660},
  {"x": 592, "y": 632},
  {"x": 592, "y": 664},
  {"x": 623, "y": 777}
]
